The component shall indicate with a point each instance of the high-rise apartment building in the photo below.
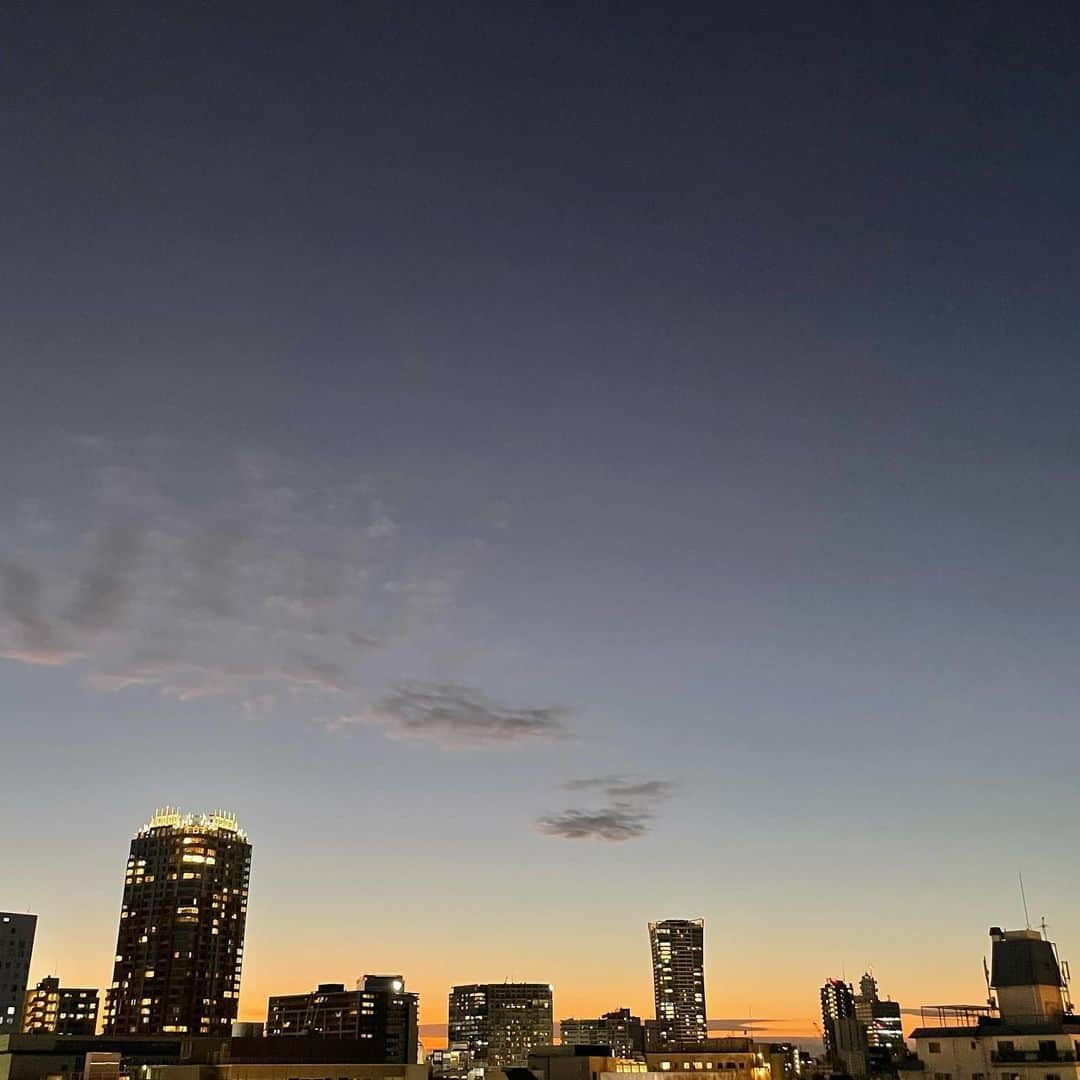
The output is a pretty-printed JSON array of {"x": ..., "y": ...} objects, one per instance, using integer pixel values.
[
  {"x": 180, "y": 946},
  {"x": 16, "y": 947},
  {"x": 379, "y": 1012},
  {"x": 620, "y": 1030},
  {"x": 678, "y": 961},
  {"x": 52, "y": 1009},
  {"x": 499, "y": 1023},
  {"x": 845, "y": 1038}
]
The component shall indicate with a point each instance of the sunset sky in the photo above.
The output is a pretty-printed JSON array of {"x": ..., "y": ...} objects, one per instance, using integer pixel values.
[{"x": 546, "y": 468}]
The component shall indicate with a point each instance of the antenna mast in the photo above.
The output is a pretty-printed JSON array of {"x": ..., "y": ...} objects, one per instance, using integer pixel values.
[{"x": 1023, "y": 898}]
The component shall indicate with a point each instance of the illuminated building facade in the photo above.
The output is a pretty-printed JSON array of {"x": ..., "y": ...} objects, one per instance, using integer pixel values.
[
  {"x": 882, "y": 1024},
  {"x": 52, "y": 1009},
  {"x": 180, "y": 946},
  {"x": 678, "y": 962},
  {"x": 500, "y": 1023},
  {"x": 620, "y": 1030},
  {"x": 16, "y": 946},
  {"x": 844, "y": 1035},
  {"x": 379, "y": 1013}
]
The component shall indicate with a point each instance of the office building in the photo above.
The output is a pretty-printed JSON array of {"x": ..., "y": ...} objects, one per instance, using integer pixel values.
[
  {"x": 882, "y": 1024},
  {"x": 678, "y": 962},
  {"x": 620, "y": 1030},
  {"x": 845, "y": 1039},
  {"x": 180, "y": 946},
  {"x": 16, "y": 947},
  {"x": 52, "y": 1009},
  {"x": 379, "y": 1012},
  {"x": 500, "y": 1023}
]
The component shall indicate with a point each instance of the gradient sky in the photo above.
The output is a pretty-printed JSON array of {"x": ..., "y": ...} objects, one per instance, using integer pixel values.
[{"x": 546, "y": 468}]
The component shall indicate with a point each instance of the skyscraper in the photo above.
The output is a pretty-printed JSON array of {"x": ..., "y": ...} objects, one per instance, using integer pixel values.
[
  {"x": 16, "y": 946},
  {"x": 52, "y": 1009},
  {"x": 379, "y": 1012},
  {"x": 180, "y": 946},
  {"x": 499, "y": 1023},
  {"x": 678, "y": 961}
]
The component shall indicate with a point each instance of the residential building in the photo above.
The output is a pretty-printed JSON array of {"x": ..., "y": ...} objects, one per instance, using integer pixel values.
[
  {"x": 619, "y": 1029},
  {"x": 52, "y": 1009},
  {"x": 180, "y": 946},
  {"x": 16, "y": 947},
  {"x": 842, "y": 1031},
  {"x": 500, "y": 1023},
  {"x": 678, "y": 962},
  {"x": 379, "y": 1012},
  {"x": 1028, "y": 1033},
  {"x": 734, "y": 1059}
]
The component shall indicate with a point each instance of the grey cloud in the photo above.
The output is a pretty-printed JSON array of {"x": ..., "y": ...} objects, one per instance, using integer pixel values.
[
  {"x": 627, "y": 814},
  {"x": 622, "y": 787},
  {"x": 457, "y": 716},
  {"x": 20, "y": 601},
  {"x": 614, "y": 824},
  {"x": 105, "y": 587}
]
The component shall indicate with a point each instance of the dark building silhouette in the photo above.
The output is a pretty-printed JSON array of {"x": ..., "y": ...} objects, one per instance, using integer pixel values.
[
  {"x": 379, "y": 1012},
  {"x": 620, "y": 1030},
  {"x": 16, "y": 947},
  {"x": 499, "y": 1024},
  {"x": 678, "y": 961},
  {"x": 180, "y": 946},
  {"x": 52, "y": 1009}
]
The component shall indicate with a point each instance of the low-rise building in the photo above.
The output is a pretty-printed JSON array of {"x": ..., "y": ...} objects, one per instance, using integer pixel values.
[
  {"x": 379, "y": 1012},
  {"x": 1029, "y": 1033},
  {"x": 619, "y": 1029},
  {"x": 52, "y": 1009}
]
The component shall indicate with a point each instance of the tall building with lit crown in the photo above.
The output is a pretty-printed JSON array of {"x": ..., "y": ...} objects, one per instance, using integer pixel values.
[
  {"x": 16, "y": 946},
  {"x": 500, "y": 1023},
  {"x": 52, "y": 1009},
  {"x": 678, "y": 962},
  {"x": 180, "y": 947}
]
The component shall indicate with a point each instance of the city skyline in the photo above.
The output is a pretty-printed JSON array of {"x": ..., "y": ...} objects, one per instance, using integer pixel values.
[
  {"x": 172, "y": 828},
  {"x": 546, "y": 469}
]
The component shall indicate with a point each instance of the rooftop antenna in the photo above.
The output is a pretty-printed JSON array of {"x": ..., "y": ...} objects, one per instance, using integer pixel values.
[{"x": 1023, "y": 898}]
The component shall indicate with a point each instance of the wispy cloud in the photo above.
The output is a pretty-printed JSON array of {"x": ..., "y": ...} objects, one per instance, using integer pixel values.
[
  {"x": 456, "y": 717},
  {"x": 627, "y": 813},
  {"x": 622, "y": 787},
  {"x": 255, "y": 580}
]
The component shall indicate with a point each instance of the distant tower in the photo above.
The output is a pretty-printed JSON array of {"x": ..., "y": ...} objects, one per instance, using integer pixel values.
[
  {"x": 180, "y": 946},
  {"x": 678, "y": 961},
  {"x": 16, "y": 946}
]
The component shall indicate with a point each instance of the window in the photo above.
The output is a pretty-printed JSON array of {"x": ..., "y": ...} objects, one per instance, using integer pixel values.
[{"x": 934, "y": 1047}]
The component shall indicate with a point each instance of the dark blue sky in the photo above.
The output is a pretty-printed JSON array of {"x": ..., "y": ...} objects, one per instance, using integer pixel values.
[{"x": 637, "y": 394}]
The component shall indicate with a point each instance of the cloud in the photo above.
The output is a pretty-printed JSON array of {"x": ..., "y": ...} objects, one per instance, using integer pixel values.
[
  {"x": 615, "y": 823},
  {"x": 627, "y": 814},
  {"x": 455, "y": 717},
  {"x": 621, "y": 787},
  {"x": 244, "y": 578},
  {"x": 104, "y": 589}
]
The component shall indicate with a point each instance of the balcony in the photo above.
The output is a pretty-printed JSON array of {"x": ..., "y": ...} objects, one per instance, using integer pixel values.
[{"x": 1033, "y": 1057}]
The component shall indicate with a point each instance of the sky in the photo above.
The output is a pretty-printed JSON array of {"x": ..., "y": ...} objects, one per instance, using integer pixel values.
[{"x": 546, "y": 468}]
